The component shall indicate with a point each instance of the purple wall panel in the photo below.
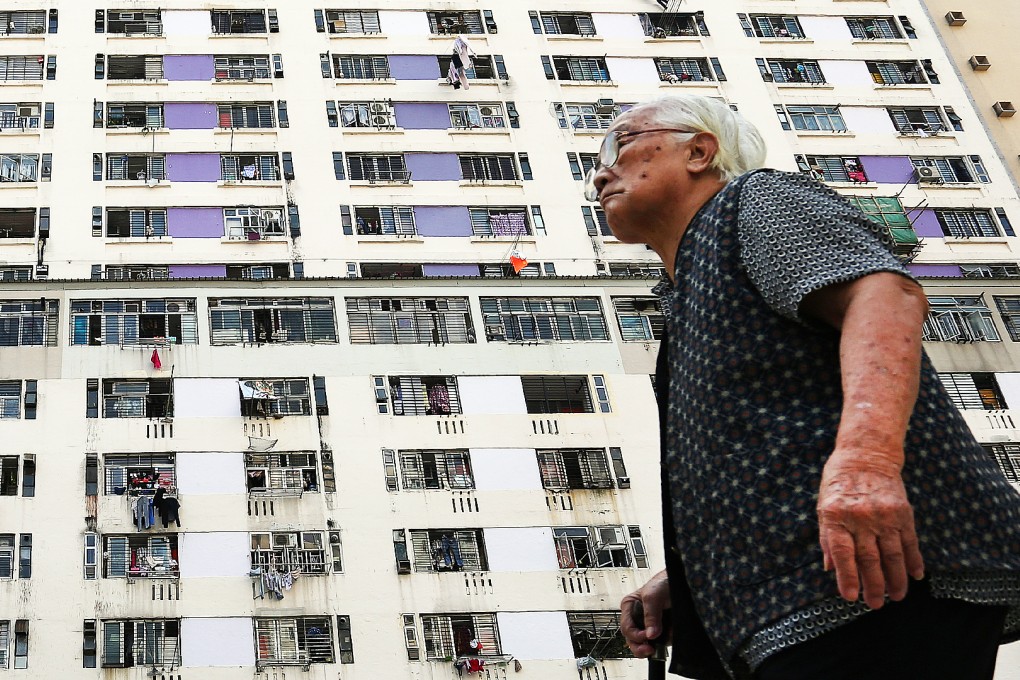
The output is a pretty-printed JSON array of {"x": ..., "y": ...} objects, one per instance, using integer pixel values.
[
  {"x": 190, "y": 116},
  {"x": 926, "y": 224},
  {"x": 450, "y": 269},
  {"x": 188, "y": 67},
  {"x": 196, "y": 271},
  {"x": 426, "y": 167},
  {"x": 195, "y": 222},
  {"x": 419, "y": 116},
  {"x": 888, "y": 169},
  {"x": 414, "y": 67},
  {"x": 935, "y": 269},
  {"x": 442, "y": 220},
  {"x": 193, "y": 167}
]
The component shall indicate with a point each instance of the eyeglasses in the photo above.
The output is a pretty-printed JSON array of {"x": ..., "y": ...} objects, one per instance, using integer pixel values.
[{"x": 609, "y": 153}]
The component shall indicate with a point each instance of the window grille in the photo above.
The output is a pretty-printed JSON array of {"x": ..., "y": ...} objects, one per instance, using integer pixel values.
[
  {"x": 130, "y": 322},
  {"x": 1009, "y": 308},
  {"x": 249, "y": 67},
  {"x": 352, "y": 21},
  {"x": 835, "y": 168},
  {"x": 140, "y": 556},
  {"x": 585, "y": 116},
  {"x": 10, "y": 399},
  {"x": 22, "y": 22},
  {"x": 289, "y": 551},
  {"x": 254, "y": 167},
  {"x": 384, "y": 221},
  {"x": 597, "y": 634},
  {"x": 272, "y": 320},
  {"x": 592, "y": 547},
  {"x": 1007, "y": 456},
  {"x": 137, "y": 273},
  {"x": 669, "y": 24},
  {"x": 557, "y": 394},
  {"x": 774, "y": 26},
  {"x": 436, "y": 469},
  {"x": 484, "y": 67},
  {"x": 5, "y": 637},
  {"x": 959, "y": 319},
  {"x": 443, "y": 550},
  {"x": 500, "y": 222},
  {"x": 137, "y": 398},
  {"x": 134, "y": 67},
  {"x": 261, "y": 398},
  {"x": 9, "y": 475},
  {"x": 17, "y": 167},
  {"x": 424, "y": 395},
  {"x": 471, "y": 116},
  {"x": 134, "y": 115},
  {"x": 897, "y": 72},
  {"x": 361, "y": 67},
  {"x": 966, "y": 223},
  {"x": 136, "y": 223},
  {"x": 21, "y": 67},
  {"x": 7, "y": 550},
  {"x": 790, "y": 71},
  {"x": 873, "y": 28},
  {"x": 293, "y": 641},
  {"x": 281, "y": 473},
  {"x": 15, "y": 273},
  {"x": 137, "y": 474},
  {"x": 639, "y": 318},
  {"x": 450, "y": 635},
  {"x": 17, "y": 222},
  {"x": 245, "y": 115},
  {"x": 563, "y": 469},
  {"x": 973, "y": 390},
  {"x": 232, "y": 22},
  {"x": 377, "y": 168},
  {"x": 375, "y": 114},
  {"x": 120, "y": 167},
  {"x": 678, "y": 69},
  {"x": 28, "y": 322},
  {"x": 918, "y": 121},
  {"x": 134, "y": 23},
  {"x": 817, "y": 118},
  {"x": 21, "y": 115},
  {"x": 990, "y": 271},
  {"x": 455, "y": 23},
  {"x": 141, "y": 643},
  {"x": 532, "y": 319},
  {"x": 253, "y": 224},
  {"x": 409, "y": 320},
  {"x": 479, "y": 168},
  {"x": 581, "y": 68},
  {"x": 564, "y": 23}
]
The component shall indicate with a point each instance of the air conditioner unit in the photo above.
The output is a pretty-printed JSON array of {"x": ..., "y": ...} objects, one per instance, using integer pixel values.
[
  {"x": 980, "y": 62},
  {"x": 955, "y": 18},
  {"x": 383, "y": 120},
  {"x": 28, "y": 111},
  {"x": 1004, "y": 109},
  {"x": 605, "y": 106},
  {"x": 379, "y": 107},
  {"x": 272, "y": 215},
  {"x": 927, "y": 175},
  {"x": 488, "y": 110}
]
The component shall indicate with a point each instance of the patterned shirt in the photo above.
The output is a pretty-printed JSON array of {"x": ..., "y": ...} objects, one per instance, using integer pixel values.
[{"x": 754, "y": 402}]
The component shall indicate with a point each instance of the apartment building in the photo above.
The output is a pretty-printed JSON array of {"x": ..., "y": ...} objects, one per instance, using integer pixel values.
[{"x": 340, "y": 310}]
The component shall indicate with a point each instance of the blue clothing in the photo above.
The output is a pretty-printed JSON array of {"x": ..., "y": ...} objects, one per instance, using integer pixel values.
[{"x": 750, "y": 399}]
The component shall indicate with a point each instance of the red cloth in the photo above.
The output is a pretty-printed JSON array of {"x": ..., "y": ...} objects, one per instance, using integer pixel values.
[
  {"x": 475, "y": 665},
  {"x": 518, "y": 263},
  {"x": 156, "y": 363}
]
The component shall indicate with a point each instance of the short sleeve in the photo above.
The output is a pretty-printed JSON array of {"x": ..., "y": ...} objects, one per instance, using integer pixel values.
[{"x": 798, "y": 236}]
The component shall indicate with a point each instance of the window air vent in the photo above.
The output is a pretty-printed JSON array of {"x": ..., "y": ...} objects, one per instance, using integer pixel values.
[
  {"x": 955, "y": 18},
  {"x": 1004, "y": 109},
  {"x": 979, "y": 62}
]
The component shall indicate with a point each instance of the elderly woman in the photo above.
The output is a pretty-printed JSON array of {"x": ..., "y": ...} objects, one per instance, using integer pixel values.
[{"x": 804, "y": 431}]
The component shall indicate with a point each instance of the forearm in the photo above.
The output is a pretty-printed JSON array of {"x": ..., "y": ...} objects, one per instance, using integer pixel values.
[{"x": 880, "y": 360}]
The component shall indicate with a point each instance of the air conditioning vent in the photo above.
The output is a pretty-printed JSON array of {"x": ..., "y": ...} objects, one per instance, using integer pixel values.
[
  {"x": 488, "y": 110},
  {"x": 1004, "y": 109},
  {"x": 928, "y": 175},
  {"x": 379, "y": 107},
  {"x": 382, "y": 121},
  {"x": 979, "y": 62},
  {"x": 955, "y": 18},
  {"x": 605, "y": 106}
]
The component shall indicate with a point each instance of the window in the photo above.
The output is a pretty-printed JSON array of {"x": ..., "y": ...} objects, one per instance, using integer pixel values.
[
  {"x": 563, "y": 469},
  {"x": 500, "y": 222},
  {"x": 377, "y": 168},
  {"x": 140, "y": 556},
  {"x": 424, "y": 395},
  {"x": 15, "y": 273},
  {"x": 250, "y": 167},
  {"x": 959, "y": 319},
  {"x": 28, "y": 322},
  {"x": 258, "y": 115},
  {"x": 566, "y": 23},
  {"x": 8, "y": 475},
  {"x": 125, "y": 115},
  {"x": 352, "y": 21},
  {"x": 898, "y": 72},
  {"x": 557, "y": 394},
  {"x": 816, "y": 118},
  {"x": 389, "y": 221},
  {"x": 289, "y": 551},
  {"x": 293, "y": 641},
  {"x": 833, "y": 168},
  {"x": 889, "y": 212},
  {"x": 23, "y": 22},
  {"x": 134, "y": 23},
  {"x": 261, "y": 398},
  {"x": 7, "y": 548},
  {"x": 28, "y": 67},
  {"x": 17, "y": 223},
  {"x": 586, "y": 116},
  {"x": 150, "y": 398},
  {"x": 134, "y": 67},
  {"x": 973, "y": 390},
  {"x": 136, "y": 222},
  {"x": 259, "y": 272},
  {"x": 19, "y": 167},
  {"x": 874, "y": 28},
  {"x": 773, "y": 26},
  {"x": 482, "y": 168},
  {"x": 967, "y": 222},
  {"x": 592, "y": 547},
  {"x": 442, "y": 550},
  {"x": 243, "y": 67},
  {"x": 148, "y": 642},
  {"x": 281, "y": 474},
  {"x": 435, "y": 469},
  {"x": 1007, "y": 456},
  {"x": 21, "y": 644},
  {"x": 473, "y": 116},
  {"x": 531, "y": 319},
  {"x": 597, "y": 634},
  {"x": 234, "y": 22},
  {"x": 253, "y": 224},
  {"x": 388, "y": 321},
  {"x": 639, "y": 318},
  {"x": 5, "y": 639},
  {"x": 136, "y": 474},
  {"x": 141, "y": 167},
  {"x": 88, "y": 644},
  {"x": 672, "y": 24},
  {"x": 272, "y": 320},
  {"x": 578, "y": 68},
  {"x": 954, "y": 169},
  {"x": 1009, "y": 308},
  {"x": 142, "y": 272},
  {"x": 24, "y": 115},
  {"x": 378, "y": 114},
  {"x": 483, "y": 67},
  {"x": 990, "y": 271},
  {"x": 361, "y": 67},
  {"x": 918, "y": 120},
  {"x": 455, "y": 23},
  {"x": 129, "y": 322},
  {"x": 683, "y": 70},
  {"x": 449, "y": 636},
  {"x": 10, "y": 399},
  {"x": 791, "y": 71}
]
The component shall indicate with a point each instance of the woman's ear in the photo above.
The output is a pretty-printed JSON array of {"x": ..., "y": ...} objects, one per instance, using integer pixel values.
[{"x": 701, "y": 149}]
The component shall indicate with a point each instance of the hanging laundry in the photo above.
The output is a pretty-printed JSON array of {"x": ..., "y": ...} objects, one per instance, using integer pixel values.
[
  {"x": 460, "y": 63},
  {"x": 250, "y": 171},
  {"x": 169, "y": 511},
  {"x": 156, "y": 363}
]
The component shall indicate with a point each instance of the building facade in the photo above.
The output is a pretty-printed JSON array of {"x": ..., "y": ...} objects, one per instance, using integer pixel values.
[{"x": 340, "y": 310}]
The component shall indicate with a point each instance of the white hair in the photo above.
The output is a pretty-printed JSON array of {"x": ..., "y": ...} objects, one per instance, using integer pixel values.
[{"x": 741, "y": 148}]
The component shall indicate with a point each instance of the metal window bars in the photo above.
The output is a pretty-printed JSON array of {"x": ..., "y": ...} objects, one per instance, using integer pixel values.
[
  {"x": 281, "y": 474},
  {"x": 301, "y": 552},
  {"x": 567, "y": 23},
  {"x": 272, "y": 320},
  {"x": 424, "y": 395},
  {"x": 28, "y": 322},
  {"x": 133, "y": 322},
  {"x": 592, "y": 547},
  {"x": 597, "y": 634},
  {"x": 409, "y": 320},
  {"x": 436, "y": 469},
  {"x": 139, "y": 474},
  {"x": 977, "y": 391},
  {"x": 668, "y": 24},
  {"x": 352, "y": 21},
  {"x": 361, "y": 67},
  {"x": 261, "y": 397},
  {"x": 534, "y": 319},
  {"x": 557, "y": 393},
  {"x": 1007, "y": 456},
  {"x": 967, "y": 223},
  {"x": 150, "y": 398},
  {"x": 445, "y": 550},
  {"x": 639, "y": 317},
  {"x": 150, "y": 642},
  {"x": 23, "y": 22},
  {"x": 563, "y": 469},
  {"x": 682, "y": 70},
  {"x": 134, "y": 23},
  {"x": 242, "y": 67},
  {"x": 455, "y": 22},
  {"x": 227, "y": 22},
  {"x": 140, "y": 556},
  {"x": 28, "y": 67},
  {"x": 7, "y": 550},
  {"x": 293, "y": 641},
  {"x": 581, "y": 68},
  {"x": 448, "y": 636}
]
